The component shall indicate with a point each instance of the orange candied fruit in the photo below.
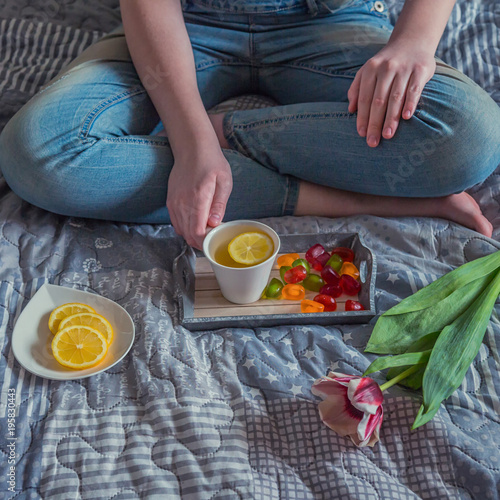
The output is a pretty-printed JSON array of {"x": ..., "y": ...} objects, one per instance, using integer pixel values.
[
  {"x": 350, "y": 269},
  {"x": 288, "y": 259},
  {"x": 293, "y": 292},
  {"x": 311, "y": 306}
]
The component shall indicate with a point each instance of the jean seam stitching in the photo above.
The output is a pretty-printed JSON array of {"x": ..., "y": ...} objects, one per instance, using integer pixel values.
[
  {"x": 238, "y": 145},
  {"x": 308, "y": 116},
  {"x": 41, "y": 91},
  {"x": 227, "y": 130},
  {"x": 316, "y": 69},
  {"x": 249, "y": 13},
  {"x": 236, "y": 62},
  {"x": 103, "y": 105},
  {"x": 214, "y": 62},
  {"x": 286, "y": 201},
  {"x": 287, "y": 194},
  {"x": 129, "y": 140},
  {"x": 253, "y": 67},
  {"x": 292, "y": 190}
]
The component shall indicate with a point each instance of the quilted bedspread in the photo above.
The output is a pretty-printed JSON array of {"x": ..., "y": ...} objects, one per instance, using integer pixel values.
[{"x": 226, "y": 414}]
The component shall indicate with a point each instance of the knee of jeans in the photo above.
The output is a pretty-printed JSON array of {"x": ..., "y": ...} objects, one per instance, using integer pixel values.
[
  {"x": 33, "y": 146},
  {"x": 467, "y": 148}
]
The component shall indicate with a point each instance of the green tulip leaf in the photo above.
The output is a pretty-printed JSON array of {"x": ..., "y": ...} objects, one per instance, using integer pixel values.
[
  {"x": 394, "y": 334},
  {"x": 454, "y": 350},
  {"x": 413, "y": 381},
  {"x": 407, "y": 359},
  {"x": 446, "y": 285}
]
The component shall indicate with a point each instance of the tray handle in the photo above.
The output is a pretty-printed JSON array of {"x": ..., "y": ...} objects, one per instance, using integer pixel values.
[
  {"x": 363, "y": 271},
  {"x": 183, "y": 274}
]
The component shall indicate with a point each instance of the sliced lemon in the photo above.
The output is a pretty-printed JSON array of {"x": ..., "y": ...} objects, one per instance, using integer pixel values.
[
  {"x": 59, "y": 313},
  {"x": 251, "y": 248},
  {"x": 96, "y": 321},
  {"x": 79, "y": 347}
]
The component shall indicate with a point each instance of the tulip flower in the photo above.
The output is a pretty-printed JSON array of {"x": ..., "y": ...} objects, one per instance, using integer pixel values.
[{"x": 351, "y": 406}]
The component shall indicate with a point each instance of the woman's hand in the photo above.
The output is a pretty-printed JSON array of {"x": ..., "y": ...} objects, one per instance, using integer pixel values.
[
  {"x": 387, "y": 87},
  {"x": 198, "y": 190}
]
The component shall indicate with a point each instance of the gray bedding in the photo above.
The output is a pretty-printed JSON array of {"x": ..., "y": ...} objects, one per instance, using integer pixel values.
[{"x": 227, "y": 414}]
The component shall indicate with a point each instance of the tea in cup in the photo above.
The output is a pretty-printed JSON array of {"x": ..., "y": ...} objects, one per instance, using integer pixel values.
[{"x": 242, "y": 278}]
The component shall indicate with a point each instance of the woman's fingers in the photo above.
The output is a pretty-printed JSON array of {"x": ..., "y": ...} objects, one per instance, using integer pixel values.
[
  {"x": 413, "y": 93},
  {"x": 387, "y": 88},
  {"x": 198, "y": 228},
  {"x": 366, "y": 89},
  {"x": 378, "y": 109},
  {"x": 197, "y": 195},
  {"x": 197, "y": 215},
  {"x": 223, "y": 189},
  {"x": 395, "y": 105},
  {"x": 189, "y": 215}
]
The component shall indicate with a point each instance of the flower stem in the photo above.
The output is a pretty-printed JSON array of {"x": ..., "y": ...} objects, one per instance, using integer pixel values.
[{"x": 400, "y": 377}]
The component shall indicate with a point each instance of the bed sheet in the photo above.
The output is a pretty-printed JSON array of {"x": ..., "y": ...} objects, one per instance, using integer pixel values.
[{"x": 226, "y": 414}]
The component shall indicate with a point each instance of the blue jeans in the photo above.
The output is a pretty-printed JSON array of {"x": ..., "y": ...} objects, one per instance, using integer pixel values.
[{"x": 85, "y": 144}]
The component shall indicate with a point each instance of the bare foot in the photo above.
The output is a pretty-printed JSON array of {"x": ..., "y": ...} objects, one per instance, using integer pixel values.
[
  {"x": 462, "y": 208},
  {"x": 330, "y": 202},
  {"x": 217, "y": 121}
]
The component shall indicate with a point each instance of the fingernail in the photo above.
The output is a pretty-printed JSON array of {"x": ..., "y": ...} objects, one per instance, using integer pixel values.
[
  {"x": 372, "y": 140},
  {"x": 215, "y": 218},
  {"x": 388, "y": 131},
  {"x": 362, "y": 131},
  {"x": 407, "y": 114}
]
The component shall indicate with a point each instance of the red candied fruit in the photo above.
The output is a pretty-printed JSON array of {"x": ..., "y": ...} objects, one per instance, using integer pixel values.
[
  {"x": 346, "y": 253},
  {"x": 350, "y": 305},
  {"x": 330, "y": 276},
  {"x": 332, "y": 290},
  {"x": 349, "y": 285},
  {"x": 314, "y": 252},
  {"x": 295, "y": 274},
  {"x": 328, "y": 301},
  {"x": 320, "y": 262}
]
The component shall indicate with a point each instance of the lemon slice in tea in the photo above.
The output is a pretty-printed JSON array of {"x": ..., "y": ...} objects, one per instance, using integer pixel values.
[{"x": 251, "y": 248}]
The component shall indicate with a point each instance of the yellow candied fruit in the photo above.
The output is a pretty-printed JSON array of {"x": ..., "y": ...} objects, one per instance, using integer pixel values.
[
  {"x": 311, "y": 306},
  {"x": 350, "y": 269},
  {"x": 287, "y": 259}
]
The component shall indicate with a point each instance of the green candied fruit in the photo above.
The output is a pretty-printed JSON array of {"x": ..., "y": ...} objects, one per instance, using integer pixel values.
[
  {"x": 335, "y": 261},
  {"x": 302, "y": 262},
  {"x": 274, "y": 289},
  {"x": 313, "y": 282},
  {"x": 283, "y": 270}
]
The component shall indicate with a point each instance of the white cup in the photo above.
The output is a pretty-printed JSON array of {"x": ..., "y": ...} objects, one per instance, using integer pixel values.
[{"x": 241, "y": 285}]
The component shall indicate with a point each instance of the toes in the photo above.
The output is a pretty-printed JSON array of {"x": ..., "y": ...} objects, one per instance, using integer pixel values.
[
  {"x": 464, "y": 209},
  {"x": 485, "y": 227}
]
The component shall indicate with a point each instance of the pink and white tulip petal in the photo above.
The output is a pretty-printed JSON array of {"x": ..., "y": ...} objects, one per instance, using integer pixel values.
[
  {"x": 351, "y": 406},
  {"x": 365, "y": 394}
]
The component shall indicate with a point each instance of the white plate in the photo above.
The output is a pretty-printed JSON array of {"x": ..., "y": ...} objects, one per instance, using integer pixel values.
[{"x": 31, "y": 337}]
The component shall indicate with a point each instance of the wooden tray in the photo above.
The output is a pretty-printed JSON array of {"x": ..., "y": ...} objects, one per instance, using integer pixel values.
[{"x": 201, "y": 306}]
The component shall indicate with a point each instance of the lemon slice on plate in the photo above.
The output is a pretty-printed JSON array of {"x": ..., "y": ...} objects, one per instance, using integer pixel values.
[
  {"x": 95, "y": 321},
  {"x": 79, "y": 347},
  {"x": 59, "y": 313},
  {"x": 251, "y": 248}
]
